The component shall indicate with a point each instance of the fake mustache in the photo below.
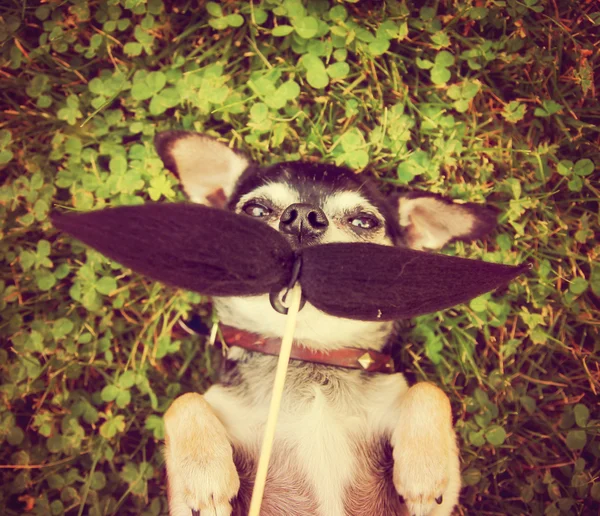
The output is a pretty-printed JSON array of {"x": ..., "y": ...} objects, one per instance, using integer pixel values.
[{"x": 218, "y": 253}]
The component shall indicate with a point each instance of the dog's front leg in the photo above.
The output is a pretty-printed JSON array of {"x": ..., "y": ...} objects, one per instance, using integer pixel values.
[
  {"x": 426, "y": 464},
  {"x": 202, "y": 478}
]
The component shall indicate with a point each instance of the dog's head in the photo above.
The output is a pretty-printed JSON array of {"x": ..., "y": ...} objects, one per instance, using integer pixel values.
[{"x": 313, "y": 203}]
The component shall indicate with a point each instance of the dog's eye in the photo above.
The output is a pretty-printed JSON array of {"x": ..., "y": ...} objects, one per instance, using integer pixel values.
[
  {"x": 256, "y": 210},
  {"x": 364, "y": 222}
]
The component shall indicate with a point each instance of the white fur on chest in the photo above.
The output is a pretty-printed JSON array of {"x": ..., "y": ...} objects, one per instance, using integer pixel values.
[
  {"x": 321, "y": 437},
  {"x": 320, "y": 427}
]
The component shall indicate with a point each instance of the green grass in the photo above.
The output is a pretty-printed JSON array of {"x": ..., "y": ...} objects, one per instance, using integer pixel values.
[{"x": 493, "y": 102}]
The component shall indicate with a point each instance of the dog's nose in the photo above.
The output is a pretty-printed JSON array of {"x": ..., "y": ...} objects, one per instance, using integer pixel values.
[{"x": 303, "y": 221}]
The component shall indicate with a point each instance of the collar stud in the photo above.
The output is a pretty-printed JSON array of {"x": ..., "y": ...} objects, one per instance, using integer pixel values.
[{"x": 365, "y": 361}]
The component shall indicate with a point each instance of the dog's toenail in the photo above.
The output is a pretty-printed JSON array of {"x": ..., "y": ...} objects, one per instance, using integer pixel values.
[
  {"x": 439, "y": 500},
  {"x": 401, "y": 498},
  {"x": 195, "y": 512}
]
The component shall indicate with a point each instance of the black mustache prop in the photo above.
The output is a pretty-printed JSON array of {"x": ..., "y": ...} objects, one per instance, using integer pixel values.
[{"x": 218, "y": 253}]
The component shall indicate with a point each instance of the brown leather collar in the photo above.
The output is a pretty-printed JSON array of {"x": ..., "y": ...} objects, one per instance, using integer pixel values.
[{"x": 351, "y": 358}]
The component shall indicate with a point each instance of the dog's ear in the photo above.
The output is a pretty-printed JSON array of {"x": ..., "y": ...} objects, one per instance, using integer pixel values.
[
  {"x": 430, "y": 221},
  {"x": 207, "y": 169}
]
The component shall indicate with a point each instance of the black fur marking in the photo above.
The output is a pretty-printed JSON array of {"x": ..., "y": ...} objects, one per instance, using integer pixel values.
[
  {"x": 229, "y": 374},
  {"x": 164, "y": 143},
  {"x": 486, "y": 218},
  {"x": 316, "y": 182}
]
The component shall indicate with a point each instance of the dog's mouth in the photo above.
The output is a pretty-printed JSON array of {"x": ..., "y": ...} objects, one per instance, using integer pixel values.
[{"x": 299, "y": 242}]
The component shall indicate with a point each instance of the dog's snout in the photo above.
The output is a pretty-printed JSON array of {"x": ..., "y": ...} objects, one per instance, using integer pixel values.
[{"x": 303, "y": 221}]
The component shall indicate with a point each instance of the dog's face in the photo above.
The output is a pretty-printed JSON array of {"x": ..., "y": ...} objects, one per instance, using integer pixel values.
[{"x": 312, "y": 203}]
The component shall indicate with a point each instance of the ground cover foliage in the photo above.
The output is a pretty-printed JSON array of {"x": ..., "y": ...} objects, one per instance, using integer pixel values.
[{"x": 486, "y": 101}]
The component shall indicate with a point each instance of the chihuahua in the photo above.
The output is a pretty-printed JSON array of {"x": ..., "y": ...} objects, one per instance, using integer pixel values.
[{"x": 353, "y": 438}]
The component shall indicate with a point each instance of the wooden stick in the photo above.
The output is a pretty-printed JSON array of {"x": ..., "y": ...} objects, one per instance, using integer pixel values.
[{"x": 278, "y": 384}]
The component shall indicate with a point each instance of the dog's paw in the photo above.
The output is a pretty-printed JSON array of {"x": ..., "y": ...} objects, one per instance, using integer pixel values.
[
  {"x": 203, "y": 489},
  {"x": 421, "y": 483},
  {"x": 201, "y": 474},
  {"x": 426, "y": 466}
]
